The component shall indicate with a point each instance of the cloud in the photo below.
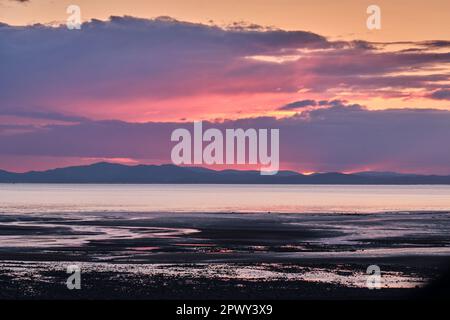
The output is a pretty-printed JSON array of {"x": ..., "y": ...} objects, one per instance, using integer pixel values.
[
  {"x": 442, "y": 94},
  {"x": 321, "y": 103},
  {"x": 337, "y": 138},
  {"x": 298, "y": 104},
  {"x": 101, "y": 92},
  {"x": 436, "y": 44},
  {"x": 40, "y": 114},
  {"x": 125, "y": 66}
]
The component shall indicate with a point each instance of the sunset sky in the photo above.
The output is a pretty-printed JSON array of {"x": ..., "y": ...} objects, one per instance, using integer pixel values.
[{"x": 344, "y": 98}]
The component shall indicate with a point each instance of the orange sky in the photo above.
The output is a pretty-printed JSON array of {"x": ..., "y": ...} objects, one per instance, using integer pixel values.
[{"x": 402, "y": 20}]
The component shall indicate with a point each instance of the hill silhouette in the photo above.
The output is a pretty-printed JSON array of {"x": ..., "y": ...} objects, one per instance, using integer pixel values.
[{"x": 104, "y": 172}]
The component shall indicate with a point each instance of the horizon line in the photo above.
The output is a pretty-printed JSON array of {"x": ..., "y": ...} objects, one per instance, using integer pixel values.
[{"x": 221, "y": 170}]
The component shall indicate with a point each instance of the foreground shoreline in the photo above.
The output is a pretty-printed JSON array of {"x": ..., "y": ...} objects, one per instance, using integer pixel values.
[
  {"x": 106, "y": 285},
  {"x": 221, "y": 256},
  {"x": 214, "y": 281}
]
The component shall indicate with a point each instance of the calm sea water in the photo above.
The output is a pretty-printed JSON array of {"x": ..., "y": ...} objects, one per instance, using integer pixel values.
[{"x": 34, "y": 198}]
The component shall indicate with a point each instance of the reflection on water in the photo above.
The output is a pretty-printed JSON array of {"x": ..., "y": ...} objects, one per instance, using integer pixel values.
[
  {"x": 31, "y": 198},
  {"x": 345, "y": 276},
  {"x": 197, "y": 231}
]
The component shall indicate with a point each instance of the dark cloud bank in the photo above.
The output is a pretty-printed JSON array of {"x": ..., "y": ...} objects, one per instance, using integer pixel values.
[
  {"x": 337, "y": 138},
  {"x": 163, "y": 58}
]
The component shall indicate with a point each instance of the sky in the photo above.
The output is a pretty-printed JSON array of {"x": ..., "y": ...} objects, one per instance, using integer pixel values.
[{"x": 345, "y": 98}]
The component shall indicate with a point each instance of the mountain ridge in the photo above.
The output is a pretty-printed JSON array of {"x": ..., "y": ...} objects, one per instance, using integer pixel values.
[{"x": 106, "y": 172}]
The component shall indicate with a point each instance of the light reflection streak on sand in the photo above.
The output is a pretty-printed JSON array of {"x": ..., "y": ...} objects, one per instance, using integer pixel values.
[
  {"x": 84, "y": 235},
  {"x": 257, "y": 273}
]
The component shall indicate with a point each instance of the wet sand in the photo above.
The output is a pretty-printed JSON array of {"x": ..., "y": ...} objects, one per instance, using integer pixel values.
[{"x": 221, "y": 256}]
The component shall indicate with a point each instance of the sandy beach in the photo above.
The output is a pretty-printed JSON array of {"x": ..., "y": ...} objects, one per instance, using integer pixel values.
[{"x": 221, "y": 255}]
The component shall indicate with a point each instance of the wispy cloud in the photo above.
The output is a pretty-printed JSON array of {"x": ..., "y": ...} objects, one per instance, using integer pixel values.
[
  {"x": 442, "y": 94},
  {"x": 298, "y": 104}
]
